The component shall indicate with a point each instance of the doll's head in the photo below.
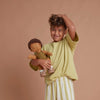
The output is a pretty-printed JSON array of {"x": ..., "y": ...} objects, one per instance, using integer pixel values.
[
  {"x": 57, "y": 27},
  {"x": 35, "y": 45}
]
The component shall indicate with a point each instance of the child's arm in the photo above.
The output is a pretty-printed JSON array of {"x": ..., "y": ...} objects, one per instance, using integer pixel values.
[
  {"x": 42, "y": 62},
  {"x": 71, "y": 34},
  {"x": 70, "y": 25},
  {"x": 34, "y": 64}
]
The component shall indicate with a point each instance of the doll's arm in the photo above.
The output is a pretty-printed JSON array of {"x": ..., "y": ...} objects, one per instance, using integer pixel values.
[
  {"x": 31, "y": 57},
  {"x": 47, "y": 53}
]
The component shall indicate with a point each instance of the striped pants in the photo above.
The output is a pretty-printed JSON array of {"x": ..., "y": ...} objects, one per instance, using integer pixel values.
[{"x": 60, "y": 89}]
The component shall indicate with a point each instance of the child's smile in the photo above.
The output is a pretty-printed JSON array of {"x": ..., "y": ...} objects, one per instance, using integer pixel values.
[{"x": 57, "y": 33}]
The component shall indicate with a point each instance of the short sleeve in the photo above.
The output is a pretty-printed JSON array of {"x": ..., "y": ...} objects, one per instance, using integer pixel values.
[
  {"x": 35, "y": 68},
  {"x": 72, "y": 43}
]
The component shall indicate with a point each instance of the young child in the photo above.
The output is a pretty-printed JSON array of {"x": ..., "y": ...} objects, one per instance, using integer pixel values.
[{"x": 59, "y": 85}]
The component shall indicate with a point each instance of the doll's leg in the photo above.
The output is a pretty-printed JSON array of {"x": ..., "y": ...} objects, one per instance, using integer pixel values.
[
  {"x": 43, "y": 72},
  {"x": 51, "y": 70}
]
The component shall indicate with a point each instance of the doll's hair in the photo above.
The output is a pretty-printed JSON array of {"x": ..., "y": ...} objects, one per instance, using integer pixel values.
[
  {"x": 34, "y": 40},
  {"x": 55, "y": 20}
]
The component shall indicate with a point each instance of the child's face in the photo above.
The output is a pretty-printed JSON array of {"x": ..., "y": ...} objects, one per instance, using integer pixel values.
[
  {"x": 35, "y": 47},
  {"x": 57, "y": 33}
]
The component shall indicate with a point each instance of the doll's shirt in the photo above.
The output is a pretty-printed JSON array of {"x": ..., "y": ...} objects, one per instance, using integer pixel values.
[
  {"x": 62, "y": 58},
  {"x": 40, "y": 55}
]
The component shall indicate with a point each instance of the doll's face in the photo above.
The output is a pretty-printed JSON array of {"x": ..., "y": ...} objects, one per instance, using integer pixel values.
[
  {"x": 35, "y": 47},
  {"x": 57, "y": 33}
]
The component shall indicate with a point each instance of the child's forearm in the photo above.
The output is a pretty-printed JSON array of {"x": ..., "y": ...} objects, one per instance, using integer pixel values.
[
  {"x": 71, "y": 26},
  {"x": 68, "y": 22}
]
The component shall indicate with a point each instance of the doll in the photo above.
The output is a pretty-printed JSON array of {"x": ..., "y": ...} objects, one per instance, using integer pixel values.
[{"x": 35, "y": 46}]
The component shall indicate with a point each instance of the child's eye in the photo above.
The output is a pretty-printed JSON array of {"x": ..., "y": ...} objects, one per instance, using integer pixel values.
[
  {"x": 53, "y": 30},
  {"x": 60, "y": 30}
]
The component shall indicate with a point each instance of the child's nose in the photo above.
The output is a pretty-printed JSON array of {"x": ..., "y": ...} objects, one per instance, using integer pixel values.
[{"x": 56, "y": 32}]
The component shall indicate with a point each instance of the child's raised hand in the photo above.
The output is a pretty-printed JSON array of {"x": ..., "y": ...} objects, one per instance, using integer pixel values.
[{"x": 62, "y": 15}]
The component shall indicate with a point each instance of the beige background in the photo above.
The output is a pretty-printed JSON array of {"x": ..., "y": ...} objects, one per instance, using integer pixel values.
[{"x": 21, "y": 20}]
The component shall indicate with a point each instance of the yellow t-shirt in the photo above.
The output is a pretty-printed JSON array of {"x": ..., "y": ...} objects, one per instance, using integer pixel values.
[{"x": 62, "y": 58}]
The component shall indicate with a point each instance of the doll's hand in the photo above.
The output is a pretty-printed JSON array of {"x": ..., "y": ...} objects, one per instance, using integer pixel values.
[
  {"x": 47, "y": 53},
  {"x": 31, "y": 57},
  {"x": 50, "y": 54}
]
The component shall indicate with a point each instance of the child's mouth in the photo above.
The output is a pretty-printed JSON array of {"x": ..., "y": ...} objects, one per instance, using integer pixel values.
[{"x": 56, "y": 36}]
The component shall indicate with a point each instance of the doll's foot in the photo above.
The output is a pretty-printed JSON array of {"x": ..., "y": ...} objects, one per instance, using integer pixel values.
[
  {"x": 51, "y": 70},
  {"x": 42, "y": 73}
]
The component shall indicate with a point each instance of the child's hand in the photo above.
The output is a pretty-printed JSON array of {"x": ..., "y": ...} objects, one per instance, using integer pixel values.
[
  {"x": 61, "y": 15},
  {"x": 45, "y": 63}
]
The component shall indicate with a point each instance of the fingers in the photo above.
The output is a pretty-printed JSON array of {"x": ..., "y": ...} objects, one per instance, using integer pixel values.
[
  {"x": 48, "y": 62},
  {"x": 60, "y": 15},
  {"x": 47, "y": 66}
]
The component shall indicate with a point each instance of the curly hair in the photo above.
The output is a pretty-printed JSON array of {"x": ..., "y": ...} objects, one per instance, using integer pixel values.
[
  {"x": 55, "y": 20},
  {"x": 34, "y": 41}
]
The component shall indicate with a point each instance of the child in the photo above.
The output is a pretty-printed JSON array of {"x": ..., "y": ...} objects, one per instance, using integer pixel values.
[{"x": 59, "y": 85}]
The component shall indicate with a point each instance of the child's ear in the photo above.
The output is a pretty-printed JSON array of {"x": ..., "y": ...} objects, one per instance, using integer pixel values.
[{"x": 66, "y": 31}]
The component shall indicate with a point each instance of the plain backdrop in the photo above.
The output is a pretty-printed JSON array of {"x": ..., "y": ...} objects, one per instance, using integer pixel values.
[{"x": 22, "y": 20}]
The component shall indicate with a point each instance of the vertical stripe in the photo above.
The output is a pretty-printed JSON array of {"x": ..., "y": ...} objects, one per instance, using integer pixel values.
[
  {"x": 58, "y": 90},
  {"x": 55, "y": 87},
  {"x": 66, "y": 92},
  {"x": 49, "y": 92},
  {"x": 68, "y": 89},
  {"x": 53, "y": 91},
  {"x": 63, "y": 89},
  {"x": 72, "y": 89}
]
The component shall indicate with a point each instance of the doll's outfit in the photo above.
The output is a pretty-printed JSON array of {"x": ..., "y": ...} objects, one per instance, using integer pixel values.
[{"x": 59, "y": 85}]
